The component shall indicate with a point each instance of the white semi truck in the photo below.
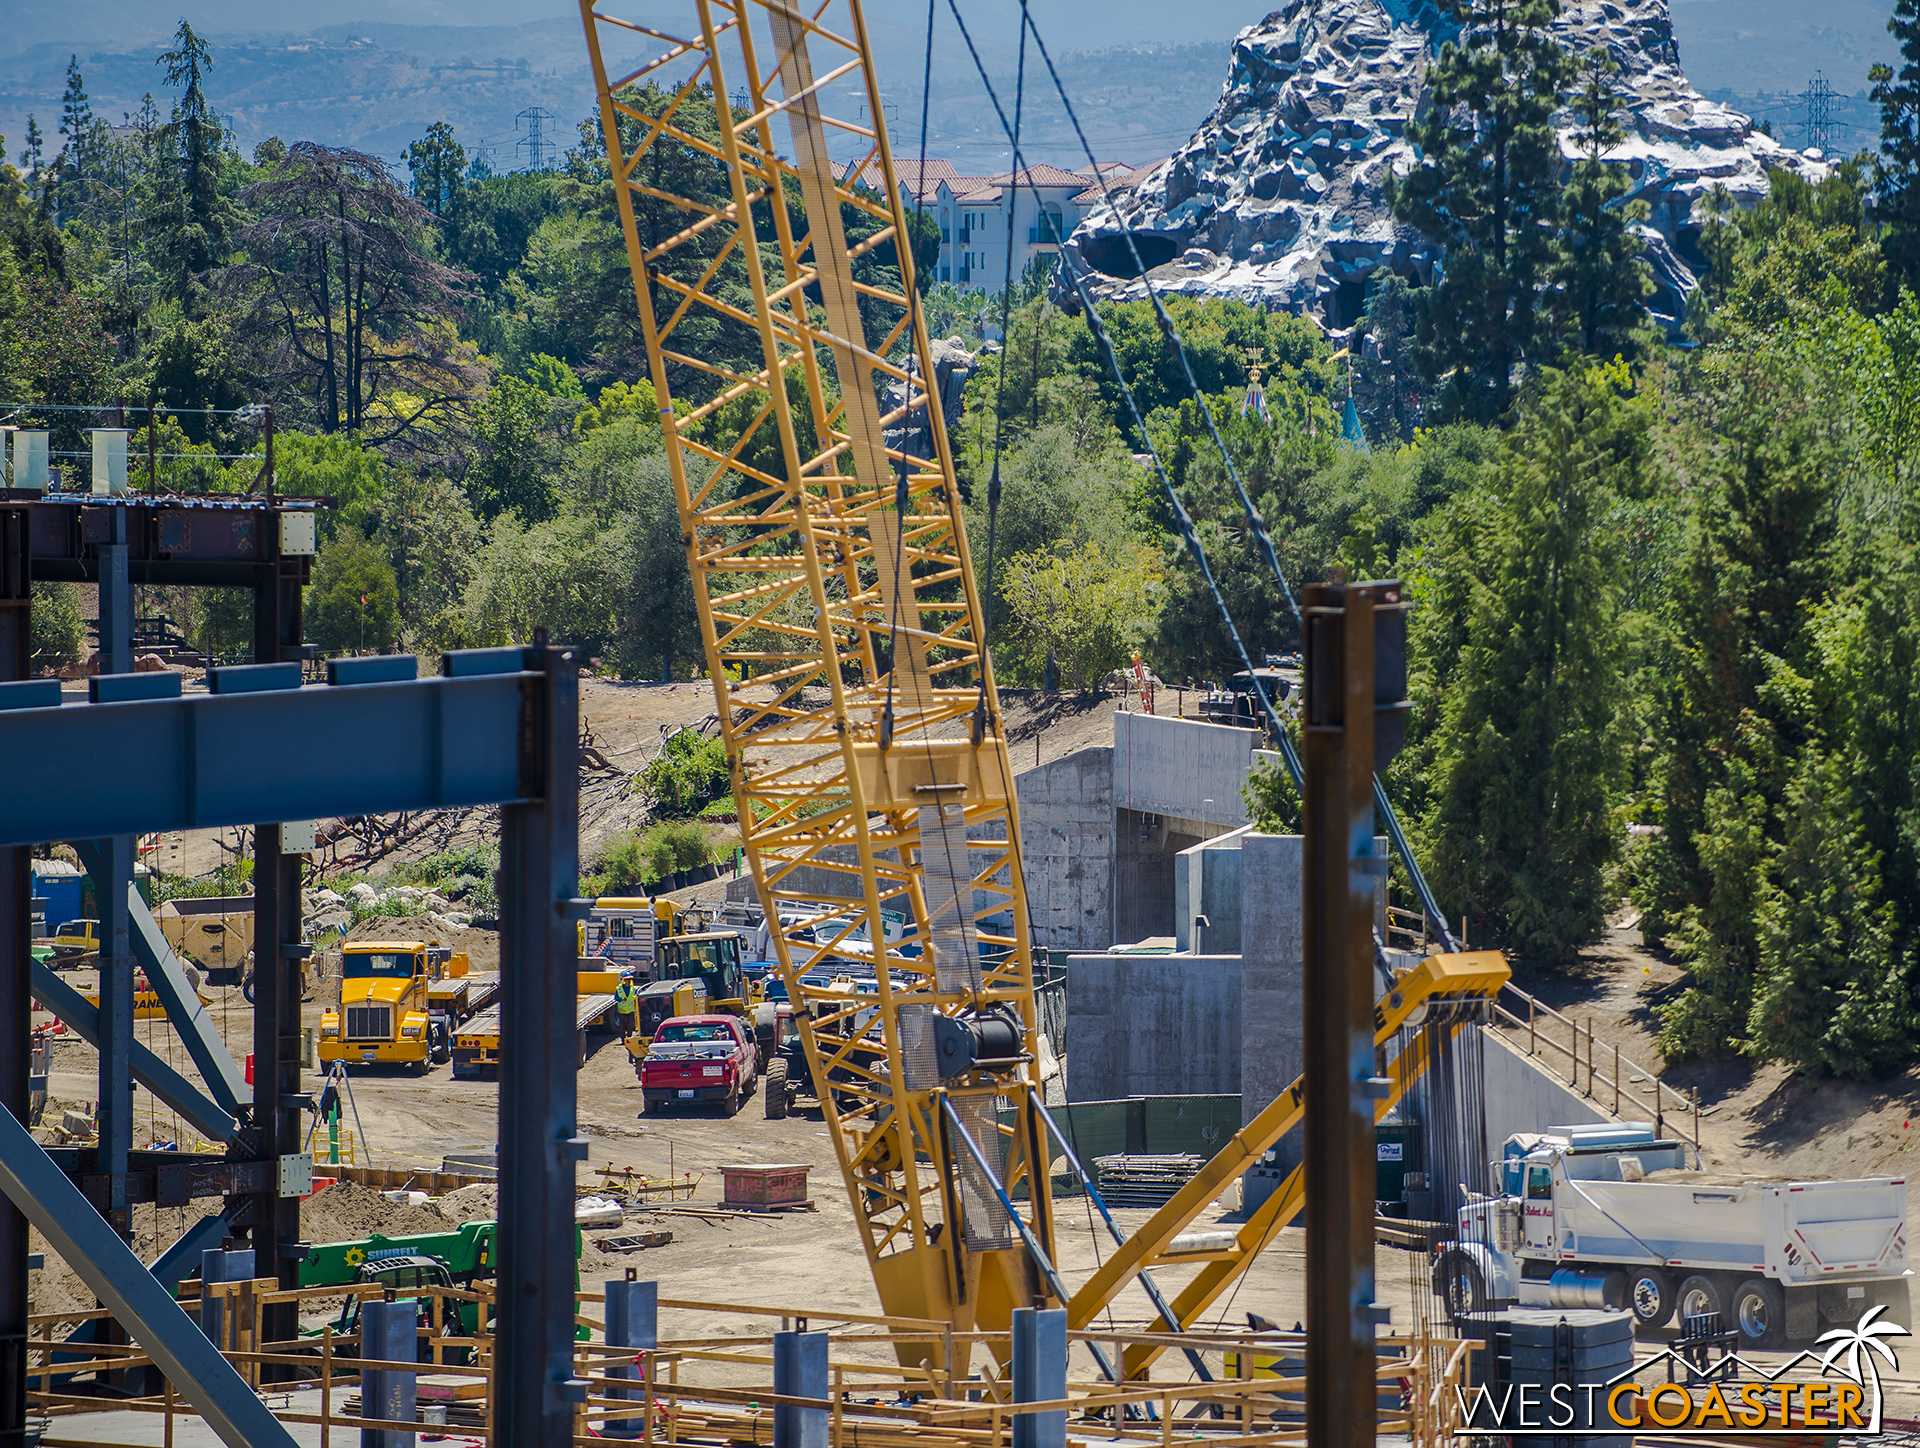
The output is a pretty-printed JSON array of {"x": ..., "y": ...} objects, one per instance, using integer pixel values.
[{"x": 1609, "y": 1216}]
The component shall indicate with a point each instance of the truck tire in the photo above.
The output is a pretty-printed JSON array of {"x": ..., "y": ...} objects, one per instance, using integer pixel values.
[
  {"x": 775, "y": 1087},
  {"x": 1462, "y": 1287},
  {"x": 1651, "y": 1296},
  {"x": 731, "y": 1106},
  {"x": 1760, "y": 1312},
  {"x": 1700, "y": 1295}
]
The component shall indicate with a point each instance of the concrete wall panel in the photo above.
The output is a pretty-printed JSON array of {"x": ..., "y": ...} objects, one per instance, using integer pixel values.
[{"x": 1152, "y": 1025}]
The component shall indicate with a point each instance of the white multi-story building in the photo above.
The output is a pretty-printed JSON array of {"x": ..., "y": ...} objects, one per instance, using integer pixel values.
[{"x": 1047, "y": 204}]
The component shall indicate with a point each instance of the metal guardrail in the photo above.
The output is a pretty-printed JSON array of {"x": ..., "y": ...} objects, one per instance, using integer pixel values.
[{"x": 1628, "y": 1082}]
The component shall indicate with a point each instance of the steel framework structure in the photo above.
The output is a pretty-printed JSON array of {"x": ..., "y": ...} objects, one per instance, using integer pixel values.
[{"x": 833, "y": 569}]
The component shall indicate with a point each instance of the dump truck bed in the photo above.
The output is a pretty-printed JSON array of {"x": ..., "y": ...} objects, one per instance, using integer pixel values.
[{"x": 1797, "y": 1231}]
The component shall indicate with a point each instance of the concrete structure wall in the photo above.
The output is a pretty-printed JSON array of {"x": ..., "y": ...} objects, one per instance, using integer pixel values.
[
  {"x": 1183, "y": 769},
  {"x": 1206, "y": 895},
  {"x": 1524, "y": 1095},
  {"x": 1152, "y": 1025},
  {"x": 1272, "y": 1043},
  {"x": 1067, "y": 847}
]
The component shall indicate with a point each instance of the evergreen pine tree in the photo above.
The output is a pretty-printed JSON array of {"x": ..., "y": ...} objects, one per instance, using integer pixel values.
[
  {"x": 1730, "y": 708},
  {"x": 1832, "y": 996},
  {"x": 33, "y": 159},
  {"x": 1601, "y": 280},
  {"x": 191, "y": 217},
  {"x": 1487, "y": 192},
  {"x": 1898, "y": 168},
  {"x": 438, "y": 162},
  {"x": 1529, "y": 749},
  {"x": 76, "y": 120}
]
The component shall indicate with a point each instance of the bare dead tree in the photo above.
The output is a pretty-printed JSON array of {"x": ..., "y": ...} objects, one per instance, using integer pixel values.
[{"x": 341, "y": 292}]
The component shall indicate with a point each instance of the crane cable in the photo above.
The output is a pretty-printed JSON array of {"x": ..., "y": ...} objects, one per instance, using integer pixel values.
[{"x": 1396, "y": 834}]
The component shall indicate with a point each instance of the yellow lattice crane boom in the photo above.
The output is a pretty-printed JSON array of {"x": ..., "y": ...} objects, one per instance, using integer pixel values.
[
  {"x": 842, "y": 626},
  {"x": 845, "y": 639}
]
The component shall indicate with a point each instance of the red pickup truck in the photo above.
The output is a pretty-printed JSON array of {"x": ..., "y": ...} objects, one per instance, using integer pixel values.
[{"x": 699, "y": 1059}]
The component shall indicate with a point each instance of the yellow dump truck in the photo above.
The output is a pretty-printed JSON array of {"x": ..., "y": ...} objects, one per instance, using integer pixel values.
[{"x": 401, "y": 1001}]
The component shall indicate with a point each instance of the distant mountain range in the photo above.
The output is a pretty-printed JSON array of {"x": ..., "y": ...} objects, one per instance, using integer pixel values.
[{"x": 1141, "y": 82}]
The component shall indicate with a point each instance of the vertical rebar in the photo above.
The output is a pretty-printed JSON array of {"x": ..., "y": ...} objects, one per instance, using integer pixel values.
[{"x": 1616, "y": 1078}]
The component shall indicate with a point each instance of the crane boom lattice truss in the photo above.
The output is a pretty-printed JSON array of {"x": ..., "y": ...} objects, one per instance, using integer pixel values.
[{"x": 833, "y": 570}]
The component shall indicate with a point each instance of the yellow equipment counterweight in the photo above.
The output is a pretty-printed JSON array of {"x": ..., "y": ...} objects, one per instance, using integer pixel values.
[{"x": 843, "y": 629}]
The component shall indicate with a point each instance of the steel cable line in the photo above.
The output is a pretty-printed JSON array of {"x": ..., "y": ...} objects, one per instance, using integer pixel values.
[{"x": 1383, "y": 806}]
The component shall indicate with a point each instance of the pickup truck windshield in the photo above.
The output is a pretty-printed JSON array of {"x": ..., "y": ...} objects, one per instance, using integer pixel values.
[
  {"x": 695, "y": 1033},
  {"x": 387, "y": 964}
]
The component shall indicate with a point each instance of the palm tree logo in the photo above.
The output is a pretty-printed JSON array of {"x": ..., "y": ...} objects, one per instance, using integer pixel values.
[{"x": 1860, "y": 1343}]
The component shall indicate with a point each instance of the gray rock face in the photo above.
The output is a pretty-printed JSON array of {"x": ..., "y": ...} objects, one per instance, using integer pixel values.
[{"x": 1279, "y": 198}]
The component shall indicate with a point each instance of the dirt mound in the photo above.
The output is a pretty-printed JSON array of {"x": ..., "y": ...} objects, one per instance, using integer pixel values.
[
  {"x": 347, "y": 1210},
  {"x": 477, "y": 1203}
]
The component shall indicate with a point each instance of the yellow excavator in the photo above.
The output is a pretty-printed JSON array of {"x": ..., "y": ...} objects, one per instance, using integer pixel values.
[{"x": 844, "y": 636}]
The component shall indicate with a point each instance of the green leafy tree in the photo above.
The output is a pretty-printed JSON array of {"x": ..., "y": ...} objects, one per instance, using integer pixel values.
[
  {"x": 1601, "y": 280},
  {"x": 59, "y": 630},
  {"x": 1081, "y": 610},
  {"x": 659, "y": 623},
  {"x": 1487, "y": 191},
  {"x": 554, "y": 575},
  {"x": 438, "y": 163},
  {"x": 433, "y": 542},
  {"x": 1529, "y": 749},
  {"x": 337, "y": 466},
  {"x": 353, "y": 604},
  {"x": 1897, "y": 171},
  {"x": 515, "y": 442}
]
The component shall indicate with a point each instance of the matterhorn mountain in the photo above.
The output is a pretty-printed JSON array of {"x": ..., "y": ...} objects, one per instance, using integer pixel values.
[{"x": 1279, "y": 199}]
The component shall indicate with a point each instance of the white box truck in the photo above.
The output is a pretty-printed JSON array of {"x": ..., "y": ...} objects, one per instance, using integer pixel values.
[{"x": 1609, "y": 1216}]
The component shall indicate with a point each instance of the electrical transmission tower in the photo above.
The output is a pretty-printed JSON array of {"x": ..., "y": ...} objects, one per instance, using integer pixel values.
[
  {"x": 535, "y": 145},
  {"x": 1818, "y": 100}
]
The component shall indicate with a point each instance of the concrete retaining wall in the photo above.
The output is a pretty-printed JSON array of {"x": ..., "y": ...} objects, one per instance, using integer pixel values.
[
  {"x": 1066, "y": 840},
  {"x": 1152, "y": 1025},
  {"x": 1524, "y": 1095}
]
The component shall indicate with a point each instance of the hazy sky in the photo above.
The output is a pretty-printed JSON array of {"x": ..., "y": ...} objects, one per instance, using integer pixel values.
[{"x": 1748, "y": 44}]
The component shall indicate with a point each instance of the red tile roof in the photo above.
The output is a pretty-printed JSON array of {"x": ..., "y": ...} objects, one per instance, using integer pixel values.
[{"x": 906, "y": 170}]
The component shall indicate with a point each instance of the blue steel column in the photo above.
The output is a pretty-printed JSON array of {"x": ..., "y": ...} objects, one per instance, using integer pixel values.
[
  {"x": 16, "y": 1005},
  {"x": 539, "y": 1142}
]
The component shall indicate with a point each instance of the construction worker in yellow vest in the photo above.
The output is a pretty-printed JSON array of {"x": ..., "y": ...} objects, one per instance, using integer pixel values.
[{"x": 626, "y": 1000}]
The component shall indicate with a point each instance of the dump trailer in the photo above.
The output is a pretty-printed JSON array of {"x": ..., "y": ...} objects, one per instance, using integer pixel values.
[
  {"x": 476, "y": 1045},
  {"x": 401, "y": 1001},
  {"x": 215, "y": 932},
  {"x": 1611, "y": 1216}
]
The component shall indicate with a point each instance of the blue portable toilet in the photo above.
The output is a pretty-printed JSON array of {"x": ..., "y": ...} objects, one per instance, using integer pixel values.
[{"x": 58, "y": 883}]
